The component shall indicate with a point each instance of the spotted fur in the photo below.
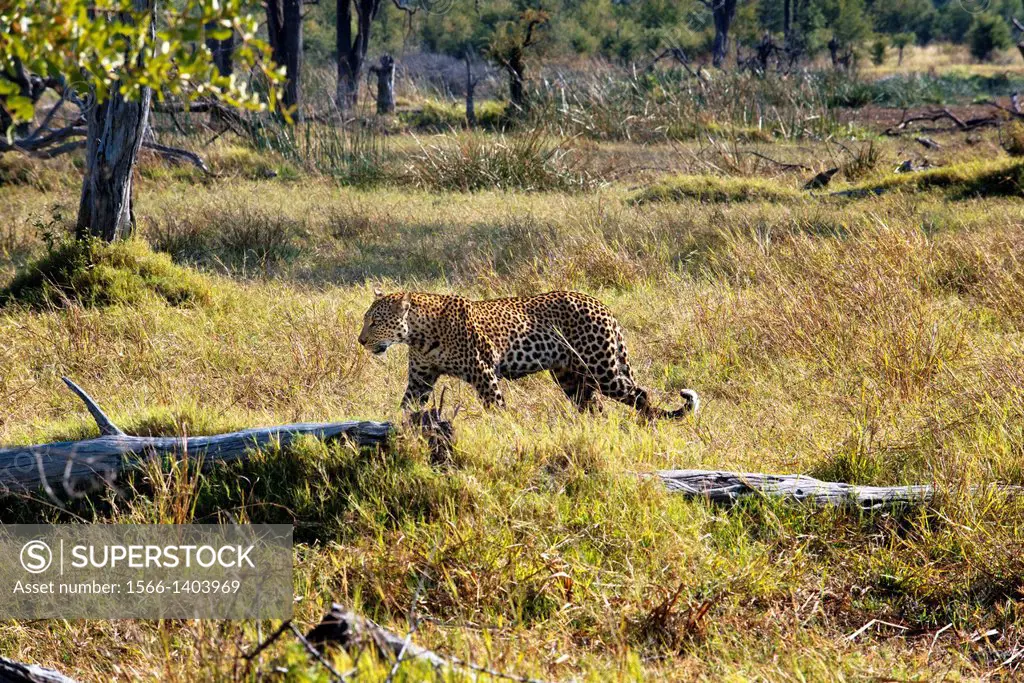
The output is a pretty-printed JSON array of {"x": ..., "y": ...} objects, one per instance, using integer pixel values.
[{"x": 572, "y": 335}]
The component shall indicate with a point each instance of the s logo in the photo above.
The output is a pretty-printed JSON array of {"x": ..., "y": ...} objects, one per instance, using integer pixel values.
[{"x": 36, "y": 557}]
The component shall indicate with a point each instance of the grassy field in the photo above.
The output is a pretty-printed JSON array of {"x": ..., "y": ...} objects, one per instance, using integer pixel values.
[{"x": 874, "y": 340}]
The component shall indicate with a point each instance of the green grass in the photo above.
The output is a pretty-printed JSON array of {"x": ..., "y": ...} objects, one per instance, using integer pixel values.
[
  {"x": 92, "y": 273},
  {"x": 528, "y": 162},
  {"x": 707, "y": 188},
  {"x": 875, "y": 342},
  {"x": 998, "y": 178}
]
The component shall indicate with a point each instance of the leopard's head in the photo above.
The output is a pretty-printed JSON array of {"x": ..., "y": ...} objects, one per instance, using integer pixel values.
[{"x": 386, "y": 321}]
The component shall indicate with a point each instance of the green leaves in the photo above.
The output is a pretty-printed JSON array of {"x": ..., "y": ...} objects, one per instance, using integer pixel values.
[{"x": 102, "y": 44}]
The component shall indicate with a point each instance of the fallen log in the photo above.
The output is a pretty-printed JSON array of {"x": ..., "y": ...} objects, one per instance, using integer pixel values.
[
  {"x": 346, "y": 629},
  {"x": 70, "y": 464},
  {"x": 16, "y": 672},
  {"x": 729, "y": 487}
]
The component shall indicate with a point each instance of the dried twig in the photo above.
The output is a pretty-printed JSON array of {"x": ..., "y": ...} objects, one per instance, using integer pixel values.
[
  {"x": 269, "y": 641},
  {"x": 316, "y": 653}
]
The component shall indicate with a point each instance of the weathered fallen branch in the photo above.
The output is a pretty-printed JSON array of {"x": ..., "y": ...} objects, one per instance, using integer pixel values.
[
  {"x": 345, "y": 628},
  {"x": 943, "y": 114},
  {"x": 178, "y": 154},
  {"x": 70, "y": 464},
  {"x": 729, "y": 487},
  {"x": 16, "y": 672}
]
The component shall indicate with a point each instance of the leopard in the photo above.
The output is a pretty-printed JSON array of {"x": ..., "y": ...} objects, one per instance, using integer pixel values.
[{"x": 572, "y": 335}]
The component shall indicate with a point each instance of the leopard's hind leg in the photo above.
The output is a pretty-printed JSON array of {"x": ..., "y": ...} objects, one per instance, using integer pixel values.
[{"x": 579, "y": 387}]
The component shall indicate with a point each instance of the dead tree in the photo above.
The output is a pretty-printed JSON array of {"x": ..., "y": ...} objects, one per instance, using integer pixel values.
[
  {"x": 722, "y": 14},
  {"x": 470, "y": 90},
  {"x": 385, "y": 72},
  {"x": 350, "y": 48},
  {"x": 508, "y": 49},
  {"x": 679, "y": 56},
  {"x": 74, "y": 465}
]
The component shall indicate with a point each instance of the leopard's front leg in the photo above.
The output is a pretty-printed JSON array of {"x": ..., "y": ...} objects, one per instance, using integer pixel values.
[
  {"x": 482, "y": 373},
  {"x": 485, "y": 380},
  {"x": 422, "y": 378}
]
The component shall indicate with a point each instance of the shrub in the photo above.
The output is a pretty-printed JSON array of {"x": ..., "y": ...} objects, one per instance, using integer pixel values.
[
  {"x": 878, "y": 48},
  {"x": 242, "y": 237},
  {"x": 473, "y": 162},
  {"x": 900, "y": 41},
  {"x": 987, "y": 34},
  {"x": 435, "y": 117},
  {"x": 492, "y": 114},
  {"x": 95, "y": 273},
  {"x": 1011, "y": 137},
  {"x": 863, "y": 163}
]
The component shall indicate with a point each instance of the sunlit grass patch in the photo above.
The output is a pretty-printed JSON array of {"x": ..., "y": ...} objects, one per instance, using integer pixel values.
[
  {"x": 707, "y": 188},
  {"x": 92, "y": 273},
  {"x": 999, "y": 178}
]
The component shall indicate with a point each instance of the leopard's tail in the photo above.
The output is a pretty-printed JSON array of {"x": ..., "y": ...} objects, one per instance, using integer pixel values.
[{"x": 691, "y": 404}]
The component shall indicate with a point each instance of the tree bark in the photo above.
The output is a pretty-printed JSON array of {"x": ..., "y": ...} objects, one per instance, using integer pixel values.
[
  {"x": 348, "y": 74},
  {"x": 385, "y": 72},
  {"x": 115, "y": 130}
]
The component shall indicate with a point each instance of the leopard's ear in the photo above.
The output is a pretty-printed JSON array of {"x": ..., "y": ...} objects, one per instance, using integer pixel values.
[
  {"x": 377, "y": 292},
  {"x": 406, "y": 300}
]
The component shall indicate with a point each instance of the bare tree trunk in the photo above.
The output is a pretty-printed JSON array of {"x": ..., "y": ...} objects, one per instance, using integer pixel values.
[
  {"x": 284, "y": 29},
  {"x": 293, "y": 54},
  {"x": 517, "y": 82},
  {"x": 385, "y": 84},
  {"x": 348, "y": 81},
  {"x": 115, "y": 130},
  {"x": 833, "y": 51},
  {"x": 470, "y": 89},
  {"x": 223, "y": 53},
  {"x": 722, "y": 12},
  {"x": 351, "y": 49}
]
